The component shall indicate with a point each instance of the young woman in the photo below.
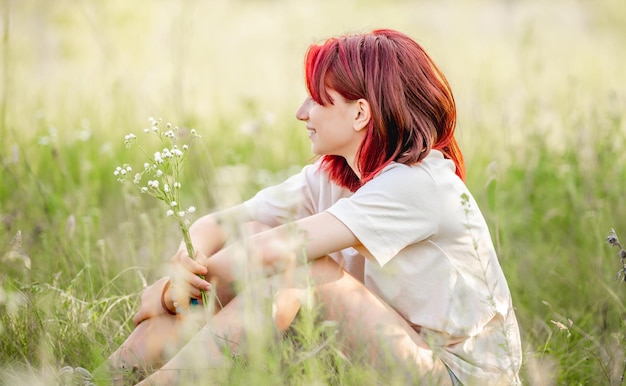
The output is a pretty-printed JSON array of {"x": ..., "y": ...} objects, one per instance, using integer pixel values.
[{"x": 399, "y": 253}]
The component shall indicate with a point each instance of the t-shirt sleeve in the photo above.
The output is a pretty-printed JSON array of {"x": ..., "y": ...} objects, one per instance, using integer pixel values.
[
  {"x": 287, "y": 201},
  {"x": 398, "y": 208}
]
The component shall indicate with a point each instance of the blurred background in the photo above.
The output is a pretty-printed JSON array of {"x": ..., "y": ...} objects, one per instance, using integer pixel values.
[{"x": 540, "y": 91}]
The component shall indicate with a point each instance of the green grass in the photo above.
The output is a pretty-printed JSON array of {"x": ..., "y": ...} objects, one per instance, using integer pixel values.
[{"x": 540, "y": 93}]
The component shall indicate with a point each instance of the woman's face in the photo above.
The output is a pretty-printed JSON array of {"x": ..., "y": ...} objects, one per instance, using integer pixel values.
[{"x": 332, "y": 129}]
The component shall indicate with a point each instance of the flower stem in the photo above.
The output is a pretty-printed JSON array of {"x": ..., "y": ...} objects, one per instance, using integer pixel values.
[{"x": 191, "y": 252}]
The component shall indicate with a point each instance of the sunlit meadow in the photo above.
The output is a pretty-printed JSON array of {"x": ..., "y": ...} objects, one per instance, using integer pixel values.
[{"x": 541, "y": 94}]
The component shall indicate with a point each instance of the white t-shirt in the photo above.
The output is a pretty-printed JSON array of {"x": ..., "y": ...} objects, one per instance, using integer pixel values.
[{"x": 427, "y": 253}]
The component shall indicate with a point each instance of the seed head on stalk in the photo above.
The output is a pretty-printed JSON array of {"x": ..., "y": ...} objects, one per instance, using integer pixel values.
[{"x": 614, "y": 242}]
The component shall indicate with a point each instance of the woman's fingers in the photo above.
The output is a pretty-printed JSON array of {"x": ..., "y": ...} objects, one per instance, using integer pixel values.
[
  {"x": 181, "y": 258},
  {"x": 188, "y": 284},
  {"x": 138, "y": 318},
  {"x": 187, "y": 272},
  {"x": 196, "y": 284},
  {"x": 202, "y": 260},
  {"x": 195, "y": 293},
  {"x": 192, "y": 265}
]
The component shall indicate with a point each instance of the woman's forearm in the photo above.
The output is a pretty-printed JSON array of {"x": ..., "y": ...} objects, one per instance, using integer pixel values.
[
  {"x": 261, "y": 254},
  {"x": 281, "y": 248}
]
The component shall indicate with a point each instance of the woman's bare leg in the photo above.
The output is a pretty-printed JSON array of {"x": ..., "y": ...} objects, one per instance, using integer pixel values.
[
  {"x": 154, "y": 342},
  {"x": 225, "y": 332},
  {"x": 366, "y": 322},
  {"x": 364, "y": 319},
  {"x": 143, "y": 350},
  {"x": 151, "y": 344}
]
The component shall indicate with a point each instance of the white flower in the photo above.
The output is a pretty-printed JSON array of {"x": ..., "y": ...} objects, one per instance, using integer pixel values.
[{"x": 163, "y": 163}]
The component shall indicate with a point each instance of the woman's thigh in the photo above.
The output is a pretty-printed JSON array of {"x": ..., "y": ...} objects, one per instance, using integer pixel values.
[{"x": 371, "y": 327}]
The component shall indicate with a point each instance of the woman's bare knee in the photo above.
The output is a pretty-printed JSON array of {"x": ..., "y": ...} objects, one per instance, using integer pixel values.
[{"x": 287, "y": 303}]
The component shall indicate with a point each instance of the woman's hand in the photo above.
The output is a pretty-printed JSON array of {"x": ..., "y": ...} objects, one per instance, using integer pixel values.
[
  {"x": 151, "y": 301},
  {"x": 186, "y": 280}
]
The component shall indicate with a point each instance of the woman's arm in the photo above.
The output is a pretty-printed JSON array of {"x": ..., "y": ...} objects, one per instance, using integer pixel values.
[
  {"x": 308, "y": 238},
  {"x": 271, "y": 251}
]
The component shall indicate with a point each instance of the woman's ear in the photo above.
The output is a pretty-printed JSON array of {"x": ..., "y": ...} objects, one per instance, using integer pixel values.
[{"x": 363, "y": 114}]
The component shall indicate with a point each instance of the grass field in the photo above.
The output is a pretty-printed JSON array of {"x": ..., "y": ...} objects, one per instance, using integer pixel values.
[{"x": 541, "y": 94}]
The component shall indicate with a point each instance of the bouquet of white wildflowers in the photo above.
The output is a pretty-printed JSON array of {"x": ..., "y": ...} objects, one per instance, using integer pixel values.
[{"x": 160, "y": 175}]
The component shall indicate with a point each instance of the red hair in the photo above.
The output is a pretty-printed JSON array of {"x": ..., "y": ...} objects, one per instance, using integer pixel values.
[{"x": 412, "y": 106}]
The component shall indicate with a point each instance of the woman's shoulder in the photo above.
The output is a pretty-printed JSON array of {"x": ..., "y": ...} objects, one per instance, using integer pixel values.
[{"x": 431, "y": 169}]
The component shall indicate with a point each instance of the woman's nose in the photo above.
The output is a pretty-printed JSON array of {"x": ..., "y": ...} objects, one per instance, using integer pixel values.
[{"x": 303, "y": 111}]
